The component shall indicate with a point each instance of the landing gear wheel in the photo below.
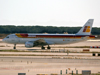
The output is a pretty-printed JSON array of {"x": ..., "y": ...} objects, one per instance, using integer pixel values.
[
  {"x": 48, "y": 47},
  {"x": 14, "y": 46},
  {"x": 42, "y": 47}
]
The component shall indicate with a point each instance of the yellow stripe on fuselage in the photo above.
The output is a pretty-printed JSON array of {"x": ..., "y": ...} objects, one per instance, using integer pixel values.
[{"x": 18, "y": 35}]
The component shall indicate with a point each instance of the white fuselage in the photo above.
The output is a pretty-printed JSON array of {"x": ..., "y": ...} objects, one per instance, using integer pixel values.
[{"x": 13, "y": 39}]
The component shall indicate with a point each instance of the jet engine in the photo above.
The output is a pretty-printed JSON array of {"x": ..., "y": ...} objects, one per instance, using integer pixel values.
[{"x": 29, "y": 44}]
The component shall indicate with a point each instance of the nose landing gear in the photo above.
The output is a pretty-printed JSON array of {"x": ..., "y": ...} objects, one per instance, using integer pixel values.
[{"x": 14, "y": 46}]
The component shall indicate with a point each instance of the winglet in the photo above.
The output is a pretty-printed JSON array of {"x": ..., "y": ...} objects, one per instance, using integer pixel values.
[{"x": 86, "y": 29}]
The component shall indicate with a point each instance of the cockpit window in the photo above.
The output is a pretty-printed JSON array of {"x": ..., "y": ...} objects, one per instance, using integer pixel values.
[{"x": 7, "y": 37}]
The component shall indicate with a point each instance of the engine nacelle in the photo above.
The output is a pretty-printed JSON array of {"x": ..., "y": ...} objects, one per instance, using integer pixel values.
[{"x": 29, "y": 44}]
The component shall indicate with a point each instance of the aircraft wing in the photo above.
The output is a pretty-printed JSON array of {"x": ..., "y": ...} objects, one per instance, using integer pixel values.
[{"x": 42, "y": 42}]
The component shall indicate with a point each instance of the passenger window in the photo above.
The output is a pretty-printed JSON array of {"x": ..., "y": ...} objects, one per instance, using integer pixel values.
[{"x": 7, "y": 37}]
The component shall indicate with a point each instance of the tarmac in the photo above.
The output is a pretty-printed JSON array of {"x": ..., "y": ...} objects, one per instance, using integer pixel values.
[{"x": 48, "y": 63}]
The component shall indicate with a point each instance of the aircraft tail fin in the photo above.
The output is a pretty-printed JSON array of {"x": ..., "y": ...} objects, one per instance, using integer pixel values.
[{"x": 86, "y": 29}]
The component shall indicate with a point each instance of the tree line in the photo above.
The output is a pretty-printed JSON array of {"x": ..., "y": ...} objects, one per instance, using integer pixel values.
[{"x": 8, "y": 29}]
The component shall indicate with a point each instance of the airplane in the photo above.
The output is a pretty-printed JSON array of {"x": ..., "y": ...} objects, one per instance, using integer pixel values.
[{"x": 32, "y": 40}]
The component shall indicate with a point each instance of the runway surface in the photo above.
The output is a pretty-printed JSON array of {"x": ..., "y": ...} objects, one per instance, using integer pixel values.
[
  {"x": 45, "y": 65},
  {"x": 51, "y": 62},
  {"x": 47, "y": 53},
  {"x": 43, "y": 59}
]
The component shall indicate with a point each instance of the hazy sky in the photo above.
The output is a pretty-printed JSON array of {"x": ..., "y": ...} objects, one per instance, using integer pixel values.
[{"x": 49, "y": 12}]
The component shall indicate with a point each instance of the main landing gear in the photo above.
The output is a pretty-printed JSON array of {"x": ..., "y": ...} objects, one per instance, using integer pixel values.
[
  {"x": 47, "y": 47},
  {"x": 14, "y": 46},
  {"x": 42, "y": 47}
]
